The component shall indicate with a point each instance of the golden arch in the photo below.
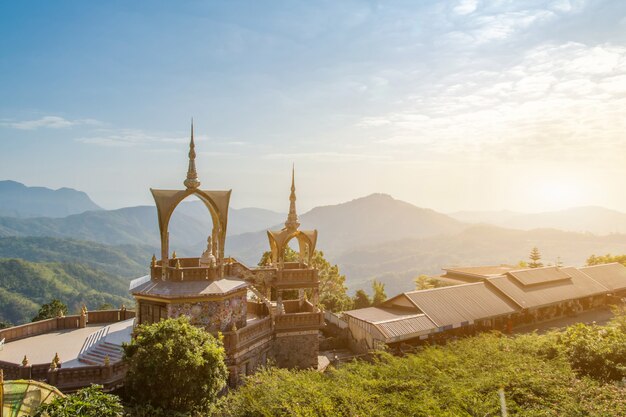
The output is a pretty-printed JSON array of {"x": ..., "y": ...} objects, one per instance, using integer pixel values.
[
  {"x": 307, "y": 239},
  {"x": 216, "y": 202}
]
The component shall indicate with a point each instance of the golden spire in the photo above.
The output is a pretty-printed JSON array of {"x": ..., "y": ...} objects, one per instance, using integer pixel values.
[
  {"x": 292, "y": 217},
  {"x": 192, "y": 175}
]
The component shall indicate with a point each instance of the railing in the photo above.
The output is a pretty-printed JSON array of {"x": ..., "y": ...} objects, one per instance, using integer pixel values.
[
  {"x": 296, "y": 277},
  {"x": 298, "y": 321},
  {"x": 240, "y": 338},
  {"x": 109, "y": 316},
  {"x": 60, "y": 323}
]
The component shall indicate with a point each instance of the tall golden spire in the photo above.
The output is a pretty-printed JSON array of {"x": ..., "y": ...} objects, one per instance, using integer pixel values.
[
  {"x": 292, "y": 218},
  {"x": 192, "y": 176}
]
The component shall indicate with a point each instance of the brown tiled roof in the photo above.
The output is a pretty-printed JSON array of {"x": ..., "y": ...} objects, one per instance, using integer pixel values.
[
  {"x": 612, "y": 276},
  {"x": 460, "y": 304},
  {"x": 548, "y": 292},
  {"x": 534, "y": 276},
  {"x": 169, "y": 289}
]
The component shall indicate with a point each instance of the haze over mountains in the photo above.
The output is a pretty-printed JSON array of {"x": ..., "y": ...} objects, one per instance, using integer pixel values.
[{"x": 374, "y": 237}]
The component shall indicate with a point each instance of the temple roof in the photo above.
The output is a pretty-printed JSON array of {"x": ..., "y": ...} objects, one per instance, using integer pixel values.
[{"x": 170, "y": 289}]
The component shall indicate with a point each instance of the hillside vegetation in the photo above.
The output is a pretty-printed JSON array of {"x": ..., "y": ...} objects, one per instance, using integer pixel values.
[
  {"x": 128, "y": 261},
  {"x": 576, "y": 373},
  {"x": 26, "y": 285}
]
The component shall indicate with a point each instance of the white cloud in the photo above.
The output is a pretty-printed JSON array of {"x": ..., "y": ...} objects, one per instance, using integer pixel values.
[
  {"x": 135, "y": 137},
  {"x": 558, "y": 100},
  {"x": 465, "y": 7},
  {"x": 50, "y": 122}
]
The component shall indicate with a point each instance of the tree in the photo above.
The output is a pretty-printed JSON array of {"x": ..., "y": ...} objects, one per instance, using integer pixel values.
[
  {"x": 87, "y": 402},
  {"x": 361, "y": 300},
  {"x": 606, "y": 259},
  {"x": 333, "y": 291},
  {"x": 535, "y": 257},
  {"x": 106, "y": 306},
  {"x": 174, "y": 366},
  {"x": 379, "y": 293},
  {"x": 54, "y": 308},
  {"x": 5, "y": 324},
  {"x": 424, "y": 282}
]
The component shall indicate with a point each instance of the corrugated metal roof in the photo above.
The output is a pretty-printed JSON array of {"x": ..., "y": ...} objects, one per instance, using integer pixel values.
[
  {"x": 461, "y": 303},
  {"x": 483, "y": 271},
  {"x": 395, "y": 324},
  {"x": 535, "y": 276},
  {"x": 537, "y": 295},
  {"x": 378, "y": 314},
  {"x": 406, "y": 328},
  {"x": 612, "y": 276}
]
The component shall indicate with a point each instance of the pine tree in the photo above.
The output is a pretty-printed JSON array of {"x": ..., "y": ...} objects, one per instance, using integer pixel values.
[
  {"x": 535, "y": 258},
  {"x": 379, "y": 293}
]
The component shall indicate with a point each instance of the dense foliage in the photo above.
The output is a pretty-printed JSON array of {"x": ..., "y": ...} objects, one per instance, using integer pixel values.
[
  {"x": 541, "y": 376},
  {"x": 25, "y": 286},
  {"x": 87, "y": 402},
  {"x": 54, "y": 308},
  {"x": 606, "y": 259},
  {"x": 128, "y": 261},
  {"x": 174, "y": 365}
]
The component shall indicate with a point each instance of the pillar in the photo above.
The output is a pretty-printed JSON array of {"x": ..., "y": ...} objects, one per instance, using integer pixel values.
[{"x": 279, "y": 301}]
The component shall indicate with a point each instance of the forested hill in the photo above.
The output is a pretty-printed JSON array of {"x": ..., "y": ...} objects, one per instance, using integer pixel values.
[
  {"x": 126, "y": 261},
  {"x": 26, "y": 285}
]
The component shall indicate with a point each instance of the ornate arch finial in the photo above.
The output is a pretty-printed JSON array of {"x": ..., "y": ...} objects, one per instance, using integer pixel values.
[
  {"x": 192, "y": 176},
  {"x": 292, "y": 218}
]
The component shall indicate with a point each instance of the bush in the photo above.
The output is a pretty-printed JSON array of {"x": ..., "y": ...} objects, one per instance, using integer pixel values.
[
  {"x": 88, "y": 402},
  {"x": 174, "y": 365},
  {"x": 596, "y": 351}
]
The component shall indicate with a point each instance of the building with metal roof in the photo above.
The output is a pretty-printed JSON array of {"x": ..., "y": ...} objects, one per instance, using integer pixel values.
[{"x": 497, "y": 297}]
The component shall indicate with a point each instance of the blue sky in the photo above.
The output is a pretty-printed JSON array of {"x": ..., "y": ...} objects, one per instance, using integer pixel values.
[{"x": 450, "y": 105}]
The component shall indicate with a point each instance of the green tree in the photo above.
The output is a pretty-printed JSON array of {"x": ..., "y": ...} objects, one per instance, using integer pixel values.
[
  {"x": 379, "y": 293},
  {"x": 424, "y": 282},
  {"x": 106, "y": 306},
  {"x": 333, "y": 291},
  {"x": 361, "y": 300},
  {"x": 606, "y": 259},
  {"x": 87, "y": 402},
  {"x": 54, "y": 308},
  {"x": 174, "y": 366},
  {"x": 5, "y": 324},
  {"x": 535, "y": 258}
]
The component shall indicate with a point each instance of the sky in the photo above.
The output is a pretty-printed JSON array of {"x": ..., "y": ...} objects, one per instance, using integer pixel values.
[{"x": 450, "y": 105}]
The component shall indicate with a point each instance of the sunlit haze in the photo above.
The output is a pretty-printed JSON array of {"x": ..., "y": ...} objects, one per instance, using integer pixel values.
[{"x": 458, "y": 105}]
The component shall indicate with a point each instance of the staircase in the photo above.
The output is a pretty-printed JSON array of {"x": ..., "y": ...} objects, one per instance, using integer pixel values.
[{"x": 96, "y": 354}]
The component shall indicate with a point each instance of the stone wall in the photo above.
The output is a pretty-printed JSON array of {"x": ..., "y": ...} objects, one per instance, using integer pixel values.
[
  {"x": 213, "y": 315},
  {"x": 296, "y": 350}
]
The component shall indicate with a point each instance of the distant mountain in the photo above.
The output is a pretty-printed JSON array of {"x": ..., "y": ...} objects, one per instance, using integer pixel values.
[
  {"x": 597, "y": 220},
  {"x": 242, "y": 220},
  {"x": 487, "y": 217},
  {"x": 126, "y": 261},
  {"x": 371, "y": 220},
  {"x": 24, "y": 286},
  {"x": 18, "y": 200},
  {"x": 397, "y": 263},
  {"x": 189, "y": 227}
]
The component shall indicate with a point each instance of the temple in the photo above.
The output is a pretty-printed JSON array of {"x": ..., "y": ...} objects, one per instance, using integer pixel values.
[{"x": 264, "y": 313}]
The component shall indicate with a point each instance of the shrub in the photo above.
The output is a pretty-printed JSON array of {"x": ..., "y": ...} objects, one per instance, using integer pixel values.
[
  {"x": 174, "y": 365},
  {"x": 87, "y": 402}
]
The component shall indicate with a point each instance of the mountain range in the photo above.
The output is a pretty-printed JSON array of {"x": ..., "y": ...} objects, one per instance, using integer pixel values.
[
  {"x": 18, "y": 200},
  {"x": 374, "y": 237}
]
